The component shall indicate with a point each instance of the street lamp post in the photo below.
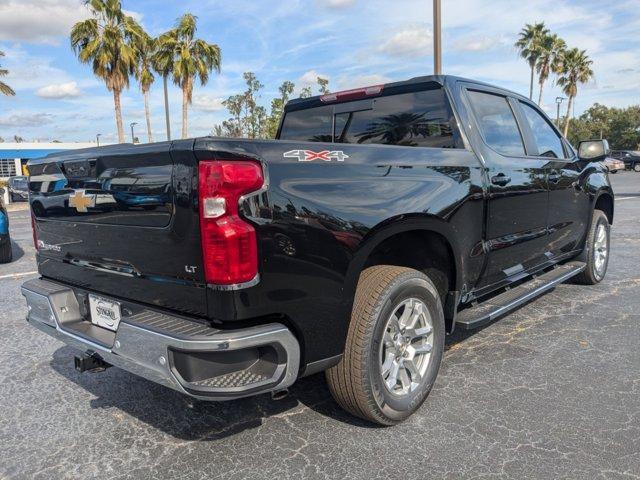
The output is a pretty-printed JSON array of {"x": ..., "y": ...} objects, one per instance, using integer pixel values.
[
  {"x": 98, "y": 135},
  {"x": 133, "y": 137},
  {"x": 437, "y": 37},
  {"x": 559, "y": 101}
]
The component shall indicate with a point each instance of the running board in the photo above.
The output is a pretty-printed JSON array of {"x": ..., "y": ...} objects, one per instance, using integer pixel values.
[{"x": 500, "y": 305}]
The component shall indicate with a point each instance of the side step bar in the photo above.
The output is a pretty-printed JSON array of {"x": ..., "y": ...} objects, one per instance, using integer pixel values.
[{"x": 500, "y": 305}]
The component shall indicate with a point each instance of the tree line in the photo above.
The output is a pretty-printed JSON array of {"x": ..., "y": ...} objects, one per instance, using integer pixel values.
[
  {"x": 547, "y": 53},
  {"x": 117, "y": 48}
]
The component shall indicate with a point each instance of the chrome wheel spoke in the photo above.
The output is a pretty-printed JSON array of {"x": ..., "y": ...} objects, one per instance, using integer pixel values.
[
  {"x": 406, "y": 314},
  {"x": 392, "y": 379},
  {"x": 413, "y": 370},
  {"x": 425, "y": 348},
  {"x": 418, "y": 332},
  {"x": 405, "y": 381},
  {"x": 388, "y": 362}
]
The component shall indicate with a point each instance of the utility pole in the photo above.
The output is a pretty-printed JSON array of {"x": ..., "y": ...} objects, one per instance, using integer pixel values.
[
  {"x": 166, "y": 107},
  {"x": 133, "y": 137},
  {"x": 559, "y": 101},
  {"x": 98, "y": 135},
  {"x": 437, "y": 37}
]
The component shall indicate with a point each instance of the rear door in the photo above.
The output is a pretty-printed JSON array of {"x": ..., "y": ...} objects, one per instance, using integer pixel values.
[
  {"x": 569, "y": 205},
  {"x": 516, "y": 236}
]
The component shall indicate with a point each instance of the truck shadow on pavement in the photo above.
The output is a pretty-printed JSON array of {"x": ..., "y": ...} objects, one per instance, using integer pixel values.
[
  {"x": 180, "y": 417},
  {"x": 16, "y": 251}
]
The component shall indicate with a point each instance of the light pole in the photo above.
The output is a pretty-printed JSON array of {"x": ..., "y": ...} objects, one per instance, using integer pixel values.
[
  {"x": 98, "y": 135},
  {"x": 559, "y": 101},
  {"x": 437, "y": 37},
  {"x": 133, "y": 137}
]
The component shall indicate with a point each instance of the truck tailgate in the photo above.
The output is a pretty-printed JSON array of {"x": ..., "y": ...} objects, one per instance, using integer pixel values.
[{"x": 122, "y": 221}]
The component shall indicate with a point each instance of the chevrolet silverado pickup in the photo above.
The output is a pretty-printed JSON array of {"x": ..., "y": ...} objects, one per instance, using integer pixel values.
[{"x": 378, "y": 221}]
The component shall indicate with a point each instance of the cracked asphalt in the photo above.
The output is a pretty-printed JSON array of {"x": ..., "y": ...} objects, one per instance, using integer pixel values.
[{"x": 551, "y": 391}]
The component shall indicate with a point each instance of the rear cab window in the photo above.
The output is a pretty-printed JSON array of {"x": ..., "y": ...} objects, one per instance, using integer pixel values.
[{"x": 419, "y": 118}]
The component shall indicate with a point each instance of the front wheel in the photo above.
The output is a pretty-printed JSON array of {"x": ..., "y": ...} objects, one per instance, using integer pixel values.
[
  {"x": 394, "y": 346},
  {"x": 596, "y": 250},
  {"x": 636, "y": 167}
]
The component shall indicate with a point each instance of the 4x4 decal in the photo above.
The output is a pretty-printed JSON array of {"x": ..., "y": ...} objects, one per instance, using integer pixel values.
[{"x": 310, "y": 155}]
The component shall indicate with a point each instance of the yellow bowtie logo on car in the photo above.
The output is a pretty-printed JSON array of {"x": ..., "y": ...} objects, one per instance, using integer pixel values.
[{"x": 81, "y": 201}]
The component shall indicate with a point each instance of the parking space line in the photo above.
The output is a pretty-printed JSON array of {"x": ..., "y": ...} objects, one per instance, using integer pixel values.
[
  {"x": 626, "y": 198},
  {"x": 18, "y": 275}
]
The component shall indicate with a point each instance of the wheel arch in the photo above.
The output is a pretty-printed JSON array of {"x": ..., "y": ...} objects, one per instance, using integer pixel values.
[{"x": 604, "y": 201}]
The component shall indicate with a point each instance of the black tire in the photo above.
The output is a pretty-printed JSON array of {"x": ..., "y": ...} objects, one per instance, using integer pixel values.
[
  {"x": 636, "y": 167},
  {"x": 357, "y": 381},
  {"x": 6, "y": 254},
  {"x": 591, "y": 275}
]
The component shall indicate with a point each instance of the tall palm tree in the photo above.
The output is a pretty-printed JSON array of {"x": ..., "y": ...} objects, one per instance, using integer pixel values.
[
  {"x": 552, "y": 49},
  {"x": 144, "y": 74},
  {"x": 575, "y": 69},
  {"x": 106, "y": 41},
  {"x": 189, "y": 58},
  {"x": 4, "y": 88},
  {"x": 528, "y": 45}
]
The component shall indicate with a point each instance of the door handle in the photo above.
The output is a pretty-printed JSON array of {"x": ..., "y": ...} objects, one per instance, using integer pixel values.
[
  {"x": 500, "y": 179},
  {"x": 554, "y": 177}
]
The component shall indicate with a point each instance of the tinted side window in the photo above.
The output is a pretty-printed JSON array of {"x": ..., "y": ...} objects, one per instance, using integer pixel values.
[
  {"x": 497, "y": 123},
  {"x": 310, "y": 125},
  {"x": 547, "y": 140},
  {"x": 418, "y": 119}
]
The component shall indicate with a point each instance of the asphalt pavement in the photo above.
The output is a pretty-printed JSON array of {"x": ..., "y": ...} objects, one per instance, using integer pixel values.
[{"x": 550, "y": 391}]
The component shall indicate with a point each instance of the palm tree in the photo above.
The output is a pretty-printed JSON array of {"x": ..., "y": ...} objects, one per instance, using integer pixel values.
[
  {"x": 552, "y": 48},
  {"x": 528, "y": 45},
  {"x": 146, "y": 49},
  {"x": 187, "y": 58},
  {"x": 4, "y": 88},
  {"x": 106, "y": 41},
  {"x": 575, "y": 69}
]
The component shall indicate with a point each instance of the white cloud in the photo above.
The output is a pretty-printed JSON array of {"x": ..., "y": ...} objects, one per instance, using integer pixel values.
[
  {"x": 311, "y": 77},
  {"x": 414, "y": 41},
  {"x": 479, "y": 43},
  {"x": 336, "y": 3},
  {"x": 39, "y": 21},
  {"x": 348, "y": 82},
  {"x": 26, "y": 120},
  {"x": 207, "y": 103},
  {"x": 60, "y": 90}
]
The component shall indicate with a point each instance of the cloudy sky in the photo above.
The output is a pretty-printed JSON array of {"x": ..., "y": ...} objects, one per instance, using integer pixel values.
[{"x": 350, "y": 42}]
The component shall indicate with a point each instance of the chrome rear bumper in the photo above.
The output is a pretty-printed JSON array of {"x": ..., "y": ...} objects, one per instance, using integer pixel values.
[{"x": 187, "y": 356}]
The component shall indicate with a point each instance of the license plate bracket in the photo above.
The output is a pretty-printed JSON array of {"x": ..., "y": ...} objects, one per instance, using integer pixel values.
[{"x": 104, "y": 313}]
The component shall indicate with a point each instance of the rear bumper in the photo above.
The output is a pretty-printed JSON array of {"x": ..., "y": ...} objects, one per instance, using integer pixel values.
[{"x": 184, "y": 355}]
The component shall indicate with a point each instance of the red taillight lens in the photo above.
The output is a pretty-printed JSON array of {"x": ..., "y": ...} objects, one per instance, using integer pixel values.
[
  {"x": 229, "y": 244},
  {"x": 34, "y": 231}
]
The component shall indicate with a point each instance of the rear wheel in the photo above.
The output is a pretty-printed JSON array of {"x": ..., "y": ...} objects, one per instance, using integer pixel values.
[
  {"x": 394, "y": 346},
  {"x": 596, "y": 251},
  {"x": 636, "y": 167}
]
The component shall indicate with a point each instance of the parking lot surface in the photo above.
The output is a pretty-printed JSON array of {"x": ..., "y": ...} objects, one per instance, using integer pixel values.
[{"x": 551, "y": 391}]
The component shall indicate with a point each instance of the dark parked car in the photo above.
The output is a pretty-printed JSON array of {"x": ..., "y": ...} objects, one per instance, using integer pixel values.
[
  {"x": 19, "y": 188},
  {"x": 631, "y": 158},
  {"x": 382, "y": 219},
  {"x": 5, "y": 240}
]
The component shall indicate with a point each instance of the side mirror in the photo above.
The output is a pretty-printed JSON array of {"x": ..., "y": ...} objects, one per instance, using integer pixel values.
[{"x": 593, "y": 150}]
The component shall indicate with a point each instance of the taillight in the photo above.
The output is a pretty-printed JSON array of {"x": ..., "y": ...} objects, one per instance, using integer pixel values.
[
  {"x": 34, "y": 231},
  {"x": 354, "y": 94},
  {"x": 229, "y": 244}
]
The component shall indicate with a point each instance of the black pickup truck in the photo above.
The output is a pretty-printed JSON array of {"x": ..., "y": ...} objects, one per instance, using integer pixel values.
[{"x": 380, "y": 220}]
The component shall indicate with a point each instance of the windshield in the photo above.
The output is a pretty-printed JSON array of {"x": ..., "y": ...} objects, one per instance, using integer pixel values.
[
  {"x": 19, "y": 182},
  {"x": 421, "y": 118}
]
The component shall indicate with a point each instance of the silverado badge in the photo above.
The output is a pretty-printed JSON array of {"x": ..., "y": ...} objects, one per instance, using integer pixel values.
[
  {"x": 310, "y": 155},
  {"x": 81, "y": 201}
]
